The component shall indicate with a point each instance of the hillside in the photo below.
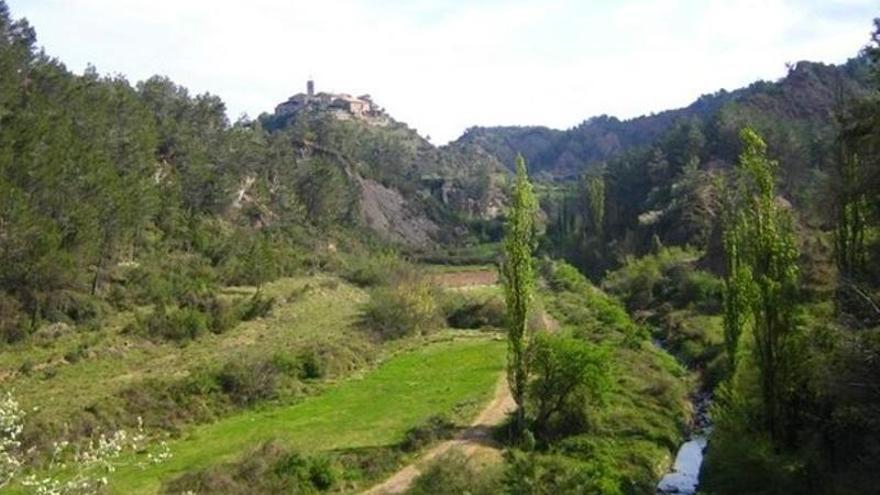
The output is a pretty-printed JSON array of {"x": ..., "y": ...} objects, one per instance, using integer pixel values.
[{"x": 809, "y": 95}]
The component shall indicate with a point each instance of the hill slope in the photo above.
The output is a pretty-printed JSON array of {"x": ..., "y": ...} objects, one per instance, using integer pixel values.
[{"x": 808, "y": 94}]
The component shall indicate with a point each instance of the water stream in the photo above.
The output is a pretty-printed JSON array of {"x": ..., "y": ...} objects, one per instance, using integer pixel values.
[
  {"x": 684, "y": 478},
  {"x": 685, "y": 474}
]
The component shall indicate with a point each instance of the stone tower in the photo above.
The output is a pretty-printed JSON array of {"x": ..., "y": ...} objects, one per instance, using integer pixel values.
[{"x": 310, "y": 88}]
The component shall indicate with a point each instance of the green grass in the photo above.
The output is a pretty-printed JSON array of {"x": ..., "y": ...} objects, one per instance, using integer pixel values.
[
  {"x": 452, "y": 377},
  {"x": 314, "y": 312}
]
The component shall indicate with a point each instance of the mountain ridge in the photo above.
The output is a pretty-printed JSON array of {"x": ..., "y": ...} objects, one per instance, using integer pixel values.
[{"x": 558, "y": 153}]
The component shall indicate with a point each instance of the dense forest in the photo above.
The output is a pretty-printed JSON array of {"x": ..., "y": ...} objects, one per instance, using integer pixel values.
[{"x": 311, "y": 304}]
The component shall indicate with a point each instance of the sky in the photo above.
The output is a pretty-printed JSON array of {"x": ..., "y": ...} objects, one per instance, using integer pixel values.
[{"x": 445, "y": 65}]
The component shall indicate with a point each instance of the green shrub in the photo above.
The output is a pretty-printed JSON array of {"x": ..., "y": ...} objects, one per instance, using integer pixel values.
[
  {"x": 667, "y": 276},
  {"x": 197, "y": 314},
  {"x": 582, "y": 305},
  {"x": 172, "y": 323},
  {"x": 463, "y": 311},
  {"x": 249, "y": 382},
  {"x": 435, "y": 428},
  {"x": 73, "y": 307},
  {"x": 12, "y": 321},
  {"x": 406, "y": 307},
  {"x": 311, "y": 366},
  {"x": 452, "y": 474},
  {"x": 257, "y": 306},
  {"x": 374, "y": 269},
  {"x": 168, "y": 278},
  {"x": 694, "y": 338},
  {"x": 323, "y": 473},
  {"x": 551, "y": 474},
  {"x": 369, "y": 463},
  {"x": 700, "y": 289},
  {"x": 271, "y": 468},
  {"x": 76, "y": 354},
  {"x": 285, "y": 364}
]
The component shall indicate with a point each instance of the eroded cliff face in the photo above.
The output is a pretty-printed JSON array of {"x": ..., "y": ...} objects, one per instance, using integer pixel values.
[{"x": 393, "y": 217}]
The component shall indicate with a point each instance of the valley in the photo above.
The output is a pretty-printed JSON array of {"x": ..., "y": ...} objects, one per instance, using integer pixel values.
[{"x": 321, "y": 300}]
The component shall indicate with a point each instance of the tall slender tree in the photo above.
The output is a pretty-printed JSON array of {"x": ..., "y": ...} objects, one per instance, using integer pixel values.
[
  {"x": 761, "y": 283},
  {"x": 518, "y": 274}
]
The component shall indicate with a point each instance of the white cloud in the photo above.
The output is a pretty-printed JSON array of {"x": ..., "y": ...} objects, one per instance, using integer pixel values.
[{"x": 443, "y": 65}]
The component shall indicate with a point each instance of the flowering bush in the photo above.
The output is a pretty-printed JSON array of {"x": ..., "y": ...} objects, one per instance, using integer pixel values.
[{"x": 89, "y": 463}]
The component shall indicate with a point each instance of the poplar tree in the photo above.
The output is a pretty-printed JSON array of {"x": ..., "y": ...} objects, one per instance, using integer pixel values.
[
  {"x": 518, "y": 276},
  {"x": 761, "y": 283}
]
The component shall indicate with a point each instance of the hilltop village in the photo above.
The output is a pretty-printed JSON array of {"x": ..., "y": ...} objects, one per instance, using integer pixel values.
[{"x": 343, "y": 106}]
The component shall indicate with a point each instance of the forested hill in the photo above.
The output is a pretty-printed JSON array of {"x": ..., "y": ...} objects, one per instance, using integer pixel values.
[{"x": 806, "y": 98}]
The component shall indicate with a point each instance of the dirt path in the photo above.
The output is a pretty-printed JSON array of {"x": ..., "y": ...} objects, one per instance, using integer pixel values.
[{"x": 476, "y": 437}]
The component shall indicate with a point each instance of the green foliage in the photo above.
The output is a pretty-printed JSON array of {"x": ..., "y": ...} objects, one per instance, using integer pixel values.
[
  {"x": 199, "y": 313},
  {"x": 255, "y": 261},
  {"x": 761, "y": 285},
  {"x": 740, "y": 445},
  {"x": 406, "y": 307},
  {"x": 545, "y": 474},
  {"x": 851, "y": 208},
  {"x": 12, "y": 321},
  {"x": 256, "y": 306},
  {"x": 467, "y": 311},
  {"x": 518, "y": 280},
  {"x": 453, "y": 474},
  {"x": 434, "y": 429},
  {"x": 323, "y": 189},
  {"x": 312, "y": 366},
  {"x": 570, "y": 378},
  {"x": 173, "y": 323},
  {"x": 271, "y": 468},
  {"x": 640, "y": 422},
  {"x": 375, "y": 269},
  {"x": 668, "y": 276},
  {"x": 596, "y": 200},
  {"x": 581, "y": 304},
  {"x": 249, "y": 382}
]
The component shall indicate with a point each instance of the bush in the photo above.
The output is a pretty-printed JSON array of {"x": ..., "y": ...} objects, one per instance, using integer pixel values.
[
  {"x": 407, "y": 307},
  {"x": 168, "y": 278},
  {"x": 698, "y": 288},
  {"x": 373, "y": 270},
  {"x": 172, "y": 323},
  {"x": 581, "y": 304},
  {"x": 464, "y": 312},
  {"x": 12, "y": 321},
  {"x": 246, "y": 383},
  {"x": 694, "y": 338},
  {"x": 73, "y": 307},
  {"x": 435, "y": 428},
  {"x": 323, "y": 474},
  {"x": 452, "y": 474},
  {"x": 257, "y": 306},
  {"x": 311, "y": 366},
  {"x": 197, "y": 314},
  {"x": 543, "y": 474},
  {"x": 668, "y": 276},
  {"x": 271, "y": 468}
]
